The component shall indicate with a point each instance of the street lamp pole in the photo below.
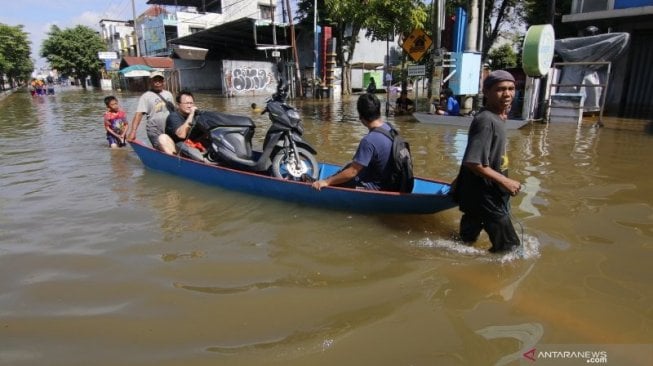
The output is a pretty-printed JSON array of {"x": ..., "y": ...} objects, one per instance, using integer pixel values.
[
  {"x": 314, "y": 44},
  {"x": 138, "y": 48},
  {"x": 481, "y": 34},
  {"x": 436, "y": 53}
]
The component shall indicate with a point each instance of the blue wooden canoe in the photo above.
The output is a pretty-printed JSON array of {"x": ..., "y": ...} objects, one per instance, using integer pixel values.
[{"x": 428, "y": 196}]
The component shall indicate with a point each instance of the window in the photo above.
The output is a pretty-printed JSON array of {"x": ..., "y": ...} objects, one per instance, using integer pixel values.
[
  {"x": 587, "y": 6},
  {"x": 194, "y": 30},
  {"x": 265, "y": 11}
]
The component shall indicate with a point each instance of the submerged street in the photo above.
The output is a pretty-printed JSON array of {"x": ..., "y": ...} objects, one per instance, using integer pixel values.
[{"x": 108, "y": 263}]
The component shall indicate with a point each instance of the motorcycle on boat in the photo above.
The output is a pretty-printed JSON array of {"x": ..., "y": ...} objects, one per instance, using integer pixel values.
[{"x": 285, "y": 154}]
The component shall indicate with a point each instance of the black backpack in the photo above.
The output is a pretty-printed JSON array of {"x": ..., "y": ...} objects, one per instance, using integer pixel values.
[{"x": 401, "y": 178}]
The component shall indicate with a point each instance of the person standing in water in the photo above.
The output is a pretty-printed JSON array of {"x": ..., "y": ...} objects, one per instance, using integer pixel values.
[
  {"x": 482, "y": 188},
  {"x": 155, "y": 104}
]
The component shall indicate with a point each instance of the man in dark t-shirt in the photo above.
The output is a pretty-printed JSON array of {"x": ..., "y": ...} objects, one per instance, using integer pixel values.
[
  {"x": 404, "y": 104},
  {"x": 482, "y": 188},
  {"x": 179, "y": 126},
  {"x": 370, "y": 163}
]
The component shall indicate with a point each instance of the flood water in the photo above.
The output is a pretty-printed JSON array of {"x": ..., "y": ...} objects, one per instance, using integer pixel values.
[{"x": 104, "y": 262}]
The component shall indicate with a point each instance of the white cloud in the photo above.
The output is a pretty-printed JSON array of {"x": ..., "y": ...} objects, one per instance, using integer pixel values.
[{"x": 90, "y": 19}]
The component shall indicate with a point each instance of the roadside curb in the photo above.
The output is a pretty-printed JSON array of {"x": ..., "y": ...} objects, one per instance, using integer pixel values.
[{"x": 6, "y": 93}]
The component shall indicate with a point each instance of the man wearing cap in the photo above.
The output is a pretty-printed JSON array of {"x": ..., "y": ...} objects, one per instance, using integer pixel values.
[
  {"x": 482, "y": 188},
  {"x": 155, "y": 104}
]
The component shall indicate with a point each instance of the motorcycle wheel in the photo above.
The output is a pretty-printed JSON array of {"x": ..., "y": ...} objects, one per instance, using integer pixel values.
[{"x": 284, "y": 166}]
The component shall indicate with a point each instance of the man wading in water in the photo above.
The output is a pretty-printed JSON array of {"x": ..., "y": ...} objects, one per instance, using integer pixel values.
[{"x": 482, "y": 188}]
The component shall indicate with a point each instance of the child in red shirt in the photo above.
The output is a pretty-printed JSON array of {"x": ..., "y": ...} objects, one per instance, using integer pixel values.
[{"x": 115, "y": 122}]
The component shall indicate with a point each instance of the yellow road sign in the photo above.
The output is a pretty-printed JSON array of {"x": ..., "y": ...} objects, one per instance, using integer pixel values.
[{"x": 416, "y": 44}]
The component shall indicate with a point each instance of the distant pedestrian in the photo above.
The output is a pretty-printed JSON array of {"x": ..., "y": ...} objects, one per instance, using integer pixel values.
[
  {"x": 255, "y": 108},
  {"x": 371, "y": 87},
  {"x": 482, "y": 188},
  {"x": 115, "y": 122}
]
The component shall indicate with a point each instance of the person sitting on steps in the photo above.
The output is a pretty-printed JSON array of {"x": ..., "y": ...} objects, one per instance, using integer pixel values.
[
  {"x": 448, "y": 104},
  {"x": 404, "y": 104}
]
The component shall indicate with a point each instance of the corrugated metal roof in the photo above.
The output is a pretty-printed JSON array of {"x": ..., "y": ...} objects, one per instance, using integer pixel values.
[
  {"x": 189, "y": 54},
  {"x": 154, "y": 62}
]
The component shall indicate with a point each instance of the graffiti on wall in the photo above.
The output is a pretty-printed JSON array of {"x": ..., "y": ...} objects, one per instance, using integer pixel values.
[{"x": 248, "y": 78}]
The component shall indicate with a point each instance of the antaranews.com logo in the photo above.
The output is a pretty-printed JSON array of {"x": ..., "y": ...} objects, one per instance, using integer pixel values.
[{"x": 588, "y": 356}]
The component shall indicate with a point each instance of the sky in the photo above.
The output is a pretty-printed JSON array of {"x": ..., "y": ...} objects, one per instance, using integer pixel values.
[{"x": 37, "y": 16}]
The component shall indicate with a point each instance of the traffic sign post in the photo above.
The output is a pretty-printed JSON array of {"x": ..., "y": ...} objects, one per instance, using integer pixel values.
[
  {"x": 416, "y": 44},
  {"x": 107, "y": 55},
  {"x": 416, "y": 70}
]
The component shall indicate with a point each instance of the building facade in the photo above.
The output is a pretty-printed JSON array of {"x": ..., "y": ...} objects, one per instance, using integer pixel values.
[
  {"x": 630, "y": 90},
  {"x": 118, "y": 36}
]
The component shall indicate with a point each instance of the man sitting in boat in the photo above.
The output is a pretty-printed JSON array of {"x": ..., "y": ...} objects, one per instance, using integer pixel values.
[
  {"x": 449, "y": 105},
  {"x": 370, "y": 163},
  {"x": 179, "y": 126},
  {"x": 404, "y": 104}
]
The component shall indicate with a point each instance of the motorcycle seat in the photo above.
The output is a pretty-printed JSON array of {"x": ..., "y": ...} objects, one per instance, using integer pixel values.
[{"x": 210, "y": 120}]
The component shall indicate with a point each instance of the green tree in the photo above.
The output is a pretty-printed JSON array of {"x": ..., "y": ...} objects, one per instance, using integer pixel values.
[
  {"x": 537, "y": 12},
  {"x": 74, "y": 51},
  {"x": 502, "y": 18},
  {"x": 502, "y": 57},
  {"x": 15, "y": 61},
  {"x": 381, "y": 18}
]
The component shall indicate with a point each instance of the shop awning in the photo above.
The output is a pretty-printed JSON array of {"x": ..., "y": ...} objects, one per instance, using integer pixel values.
[
  {"x": 136, "y": 71},
  {"x": 243, "y": 38}
]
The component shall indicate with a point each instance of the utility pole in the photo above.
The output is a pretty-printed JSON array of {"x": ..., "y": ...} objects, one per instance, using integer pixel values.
[
  {"x": 478, "y": 103},
  {"x": 387, "y": 70},
  {"x": 472, "y": 30},
  {"x": 274, "y": 32},
  {"x": 314, "y": 44},
  {"x": 138, "y": 48},
  {"x": 551, "y": 11},
  {"x": 541, "y": 97},
  {"x": 298, "y": 76},
  {"x": 436, "y": 52}
]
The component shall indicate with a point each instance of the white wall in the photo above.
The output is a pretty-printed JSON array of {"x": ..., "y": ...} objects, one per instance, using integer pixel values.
[
  {"x": 371, "y": 52},
  {"x": 186, "y": 20}
]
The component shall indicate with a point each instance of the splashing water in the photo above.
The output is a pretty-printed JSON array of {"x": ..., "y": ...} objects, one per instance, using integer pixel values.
[{"x": 529, "y": 249}]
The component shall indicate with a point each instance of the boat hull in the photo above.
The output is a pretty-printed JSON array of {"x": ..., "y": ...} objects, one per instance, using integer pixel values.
[
  {"x": 461, "y": 121},
  {"x": 429, "y": 196}
]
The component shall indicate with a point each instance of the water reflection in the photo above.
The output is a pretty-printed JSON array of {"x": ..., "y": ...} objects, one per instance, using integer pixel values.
[
  {"x": 91, "y": 241},
  {"x": 121, "y": 174}
]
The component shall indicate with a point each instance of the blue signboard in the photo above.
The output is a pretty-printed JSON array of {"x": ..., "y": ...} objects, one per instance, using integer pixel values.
[
  {"x": 625, "y": 4},
  {"x": 154, "y": 36}
]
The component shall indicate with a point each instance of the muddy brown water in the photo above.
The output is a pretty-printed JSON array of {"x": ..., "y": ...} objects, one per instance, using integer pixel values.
[{"x": 104, "y": 262}]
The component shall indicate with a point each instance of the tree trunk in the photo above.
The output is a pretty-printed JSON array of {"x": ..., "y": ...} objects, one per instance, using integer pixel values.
[
  {"x": 350, "y": 45},
  {"x": 346, "y": 79}
]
